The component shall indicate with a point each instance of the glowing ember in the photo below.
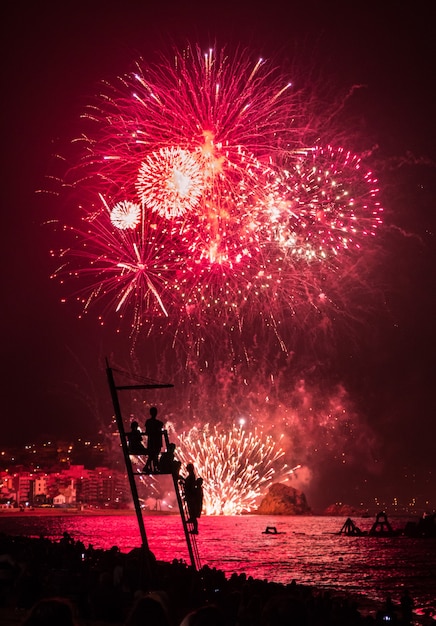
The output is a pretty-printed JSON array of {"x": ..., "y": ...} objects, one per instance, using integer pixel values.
[{"x": 334, "y": 204}]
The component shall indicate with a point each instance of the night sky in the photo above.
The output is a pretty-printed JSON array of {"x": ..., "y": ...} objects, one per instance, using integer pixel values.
[{"x": 55, "y": 54}]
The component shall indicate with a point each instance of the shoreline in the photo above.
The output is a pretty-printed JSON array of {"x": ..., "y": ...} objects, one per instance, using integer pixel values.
[
  {"x": 40, "y": 512},
  {"x": 76, "y": 512}
]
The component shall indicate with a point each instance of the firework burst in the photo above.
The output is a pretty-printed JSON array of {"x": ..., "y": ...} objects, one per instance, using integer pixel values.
[
  {"x": 125, "y": 215},
  {"x": 219, "y": 219},
  {"x": 332, "y": 204},
  {"x": 170, "y": 182},
  {"x": 223, "y": 213},
  {"x": 124, "y": 268},
  {"x": 236, "y": 465},
  {"x": 220, "y": 107}
]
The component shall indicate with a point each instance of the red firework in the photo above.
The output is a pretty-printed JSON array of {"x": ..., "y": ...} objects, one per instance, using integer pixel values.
[
  {"x": 125, "y": 269},
  {"x": 217, "y": 202}
]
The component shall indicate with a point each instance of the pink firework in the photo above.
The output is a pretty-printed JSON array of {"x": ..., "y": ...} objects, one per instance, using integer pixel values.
[{"x": 218, "y": 106}]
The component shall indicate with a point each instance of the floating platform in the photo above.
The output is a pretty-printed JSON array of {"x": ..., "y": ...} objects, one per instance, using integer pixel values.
[
  {"x": 380, "y": 528},
  {"x": 350, "y": 529},
  {"x": 272, "y": 530}
]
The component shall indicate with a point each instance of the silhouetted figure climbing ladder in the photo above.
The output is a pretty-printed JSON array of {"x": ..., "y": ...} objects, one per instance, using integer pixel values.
[{"x": 188, "y": 526}]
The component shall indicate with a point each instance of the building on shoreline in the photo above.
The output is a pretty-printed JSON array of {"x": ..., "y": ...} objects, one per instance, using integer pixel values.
[{"x": 71, "y": 486}]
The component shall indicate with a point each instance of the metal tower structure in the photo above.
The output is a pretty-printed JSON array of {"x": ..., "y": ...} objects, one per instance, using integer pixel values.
[{"x": 134, "y": 475}]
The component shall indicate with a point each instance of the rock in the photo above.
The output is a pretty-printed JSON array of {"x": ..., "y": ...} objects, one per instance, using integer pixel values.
[
  {"x": 284, "y": 500},
  {"x": 344, "y": 510}
]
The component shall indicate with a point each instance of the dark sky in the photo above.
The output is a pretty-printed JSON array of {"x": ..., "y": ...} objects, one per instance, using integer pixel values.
[{"x": 55, "y": 53}]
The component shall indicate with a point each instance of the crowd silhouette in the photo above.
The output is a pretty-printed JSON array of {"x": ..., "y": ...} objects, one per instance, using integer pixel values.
[{"x": 45, "y": 583}]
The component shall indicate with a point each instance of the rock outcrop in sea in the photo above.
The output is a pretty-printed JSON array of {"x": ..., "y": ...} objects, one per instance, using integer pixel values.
[
  {"x": 284, "y": 500},
  {"x": 344, "y": 510}
]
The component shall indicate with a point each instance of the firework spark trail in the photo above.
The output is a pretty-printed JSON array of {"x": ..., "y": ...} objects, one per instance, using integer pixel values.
[
  {"x": 221, "y": 107},
  {"x": 127, "y": 267},
  {"x": 236, "y": 466}
]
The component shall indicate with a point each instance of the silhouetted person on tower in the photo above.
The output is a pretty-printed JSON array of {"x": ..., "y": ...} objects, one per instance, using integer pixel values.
[{"x": 154, "y": 432}]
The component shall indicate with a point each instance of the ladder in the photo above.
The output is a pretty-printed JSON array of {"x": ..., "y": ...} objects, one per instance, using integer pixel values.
[{"x": 133, "y": 475}]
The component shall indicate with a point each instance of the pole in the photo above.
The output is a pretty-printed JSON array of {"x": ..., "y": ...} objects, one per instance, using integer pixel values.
[{"x": 125, "y": 449}]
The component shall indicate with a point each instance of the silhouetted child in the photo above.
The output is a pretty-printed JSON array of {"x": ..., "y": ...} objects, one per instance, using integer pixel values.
[
  {"x": 134, "y": 440},
  {"x": 199, "y": 496},
  {"x": 167, "y": 463}
]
